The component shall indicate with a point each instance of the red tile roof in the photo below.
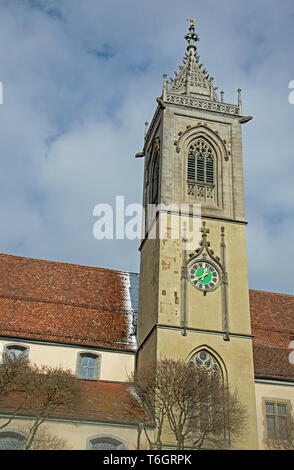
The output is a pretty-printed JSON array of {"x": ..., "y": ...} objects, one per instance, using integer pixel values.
[
  {"x": 110, "y": 401},
  {"x": 100, "y": 401},
  {"x": 272, "y": 324},
  {"x": 87, "y": 305},
  {"x": 65, "y": 302}
]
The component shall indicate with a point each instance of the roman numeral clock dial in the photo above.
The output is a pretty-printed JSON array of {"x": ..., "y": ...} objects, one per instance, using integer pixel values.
[{"x": 204, "y": 276}]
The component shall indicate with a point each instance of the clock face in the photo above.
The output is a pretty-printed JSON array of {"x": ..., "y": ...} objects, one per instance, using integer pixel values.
[{"x": 204, "y": 276}]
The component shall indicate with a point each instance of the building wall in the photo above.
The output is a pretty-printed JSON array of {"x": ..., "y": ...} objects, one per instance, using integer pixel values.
[
  {"x": 275, "y": 391},
  {"x": 115, "y": 366},
  {"x": 234, "y": 358},
  {"x": 79, "y": 434}
]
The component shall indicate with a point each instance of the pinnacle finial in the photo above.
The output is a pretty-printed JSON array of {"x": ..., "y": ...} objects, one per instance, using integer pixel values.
[
  {"x": 239, "y": 100},
  {"x": 192, "y": 37},
  {"x": 164, "y": 86},
  {"x": 192, "y": 78},
  {"x": 192, "y": 21}
]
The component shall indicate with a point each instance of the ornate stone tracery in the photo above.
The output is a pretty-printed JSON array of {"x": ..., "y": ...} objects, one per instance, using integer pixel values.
[{"x": 204, "y": 360}]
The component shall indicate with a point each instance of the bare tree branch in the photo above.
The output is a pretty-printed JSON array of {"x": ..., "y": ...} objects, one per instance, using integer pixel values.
[
  {"x": 190, "y": 403},
  {"x": 37, "y": 391}
]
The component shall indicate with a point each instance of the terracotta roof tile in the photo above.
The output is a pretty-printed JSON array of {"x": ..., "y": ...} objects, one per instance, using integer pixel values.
[
  {"x": 272, "y": 324},
  {"x": 65, "y": 302},
  {"x": 94, "y": 306},
  {"x": 100, "y": 401}
]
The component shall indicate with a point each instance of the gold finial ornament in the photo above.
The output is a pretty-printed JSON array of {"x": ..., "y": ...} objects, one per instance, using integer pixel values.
[{"x": 192, "y": 21}]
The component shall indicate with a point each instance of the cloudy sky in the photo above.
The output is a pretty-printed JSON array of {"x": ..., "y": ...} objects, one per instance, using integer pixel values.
[{"x": 80, "y": 78}]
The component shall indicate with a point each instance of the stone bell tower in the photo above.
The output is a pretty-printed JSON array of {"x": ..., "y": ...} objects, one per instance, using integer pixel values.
[{"x": 193, "y": 297}]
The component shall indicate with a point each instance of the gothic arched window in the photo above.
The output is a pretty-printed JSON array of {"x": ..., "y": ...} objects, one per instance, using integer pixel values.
[
  {"x": 211, "y": 402},
  {"x": 201, "y": 171},
  {"x": 155, "y": 178}
]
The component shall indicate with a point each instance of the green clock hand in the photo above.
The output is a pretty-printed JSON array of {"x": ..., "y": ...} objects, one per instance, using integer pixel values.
[{"x": 202, "y": 275}]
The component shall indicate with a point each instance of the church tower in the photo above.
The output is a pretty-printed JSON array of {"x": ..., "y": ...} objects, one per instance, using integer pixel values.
[{"x": 193, "y": 297}]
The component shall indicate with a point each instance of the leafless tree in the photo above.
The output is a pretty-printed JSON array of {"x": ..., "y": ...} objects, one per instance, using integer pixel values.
[
  {"x": 45, "y": 439},
  {"x": 38, "y": 392},
  {"x": 192, "y": 404},
  {"x": 51, "y": 390},
  {"x": 15, "y": 376}
]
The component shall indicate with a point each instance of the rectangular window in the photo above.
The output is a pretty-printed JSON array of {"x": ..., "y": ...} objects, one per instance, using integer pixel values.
[
  {"x": 89, "y": 366},
  {"x": 277, "y": 420}
]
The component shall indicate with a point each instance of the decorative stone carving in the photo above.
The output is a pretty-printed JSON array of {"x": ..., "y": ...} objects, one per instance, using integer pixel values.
[
  {"x": 191, "y": 189},
  {"x": 209, "y": 193},
  {"x": 204, "y": 104},
  {"x": 200, "y": 191}
]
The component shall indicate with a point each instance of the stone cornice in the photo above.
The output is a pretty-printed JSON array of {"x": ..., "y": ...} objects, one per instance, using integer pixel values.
[{"x": 203, "y": 104}]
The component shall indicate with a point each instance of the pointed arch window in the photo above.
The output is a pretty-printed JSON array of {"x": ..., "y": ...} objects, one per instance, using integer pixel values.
[
  {"x": 201, "y": 171},
  {"x": 211, "y": 408},
  {"x": 155, "y": 178}
]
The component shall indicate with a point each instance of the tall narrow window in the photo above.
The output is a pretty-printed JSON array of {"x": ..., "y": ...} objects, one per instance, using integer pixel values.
[
  {"x": 155, "y": 179},
  {"x": 209, "y": 405}
]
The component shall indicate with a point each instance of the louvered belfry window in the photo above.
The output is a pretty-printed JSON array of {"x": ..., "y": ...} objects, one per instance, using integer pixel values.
[
  {"x": 201, "y": 162},
  {"x": 209, "y": 170},
  {"x": 191, "y": 167},
  {"x": 200, "y": 168},
  {"x": 201, "y": 171}
]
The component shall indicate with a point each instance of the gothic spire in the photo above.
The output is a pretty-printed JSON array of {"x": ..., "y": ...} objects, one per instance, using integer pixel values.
[{"x": 192, "y": 79}]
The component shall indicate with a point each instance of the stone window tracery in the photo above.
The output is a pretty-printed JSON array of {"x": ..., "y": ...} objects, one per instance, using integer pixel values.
[{"x": 204, "y": 360}]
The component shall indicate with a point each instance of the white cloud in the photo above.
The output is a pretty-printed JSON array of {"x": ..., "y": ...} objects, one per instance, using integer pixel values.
[{"x": 72, "y": 121}]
